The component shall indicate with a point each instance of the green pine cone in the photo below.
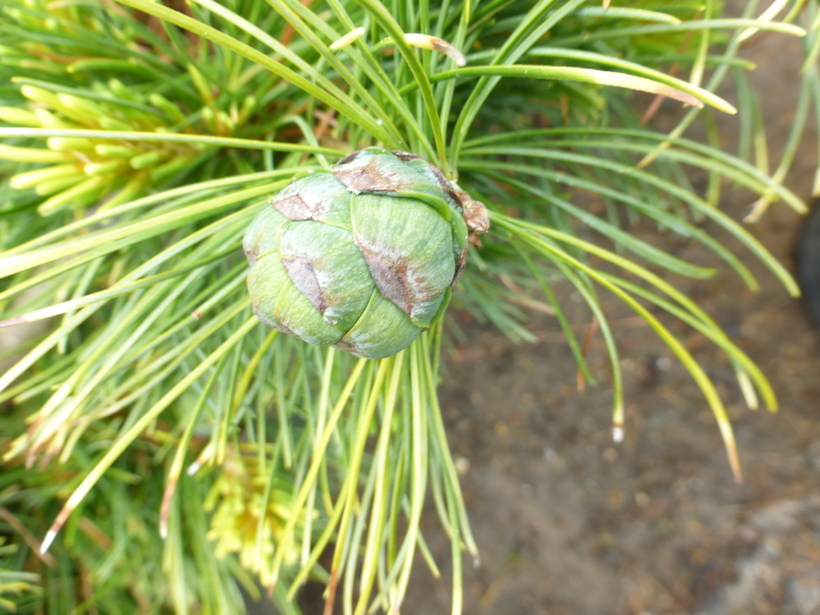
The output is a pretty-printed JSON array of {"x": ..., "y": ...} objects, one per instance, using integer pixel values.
[{"x": 362, "y": 257}]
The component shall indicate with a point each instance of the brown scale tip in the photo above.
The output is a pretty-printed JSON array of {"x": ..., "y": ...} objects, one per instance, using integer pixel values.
[
  {"x": 293, "y": 207},
  {"x": 303, "y": 274},
  {"x": 368, "y": 177}
]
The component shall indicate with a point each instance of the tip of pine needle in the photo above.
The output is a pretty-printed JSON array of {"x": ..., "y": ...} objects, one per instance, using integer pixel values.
[
  {"x": 734, "y": 462},
  {"x": 815, "y": 189},
  {"x": 347, "y": 39},
  {"x": 50, "y": 536},
  {"x": 737, "y": 474},
  {"x": 434, "y": 43},
  {"x": 756, "y": 211}
]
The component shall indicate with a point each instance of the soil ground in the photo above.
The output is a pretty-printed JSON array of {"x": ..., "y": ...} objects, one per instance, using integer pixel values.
[{"x": 569, "y": 523}]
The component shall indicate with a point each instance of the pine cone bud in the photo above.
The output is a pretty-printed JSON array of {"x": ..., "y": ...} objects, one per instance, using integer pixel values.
[{"x": 362, "y": 257}]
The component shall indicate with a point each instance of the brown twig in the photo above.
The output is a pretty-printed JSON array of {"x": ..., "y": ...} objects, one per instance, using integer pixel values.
[{"x": 27, "y": 537}]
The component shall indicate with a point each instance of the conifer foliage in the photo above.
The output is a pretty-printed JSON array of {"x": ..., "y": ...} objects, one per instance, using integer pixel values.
[{"x": 161, "y": 447}]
